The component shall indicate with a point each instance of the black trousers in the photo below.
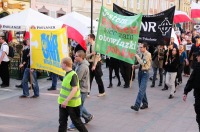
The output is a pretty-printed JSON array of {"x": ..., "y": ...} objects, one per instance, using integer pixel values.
[
  {"x": 74, "y": 113},
  {"x": 4, "y": 72},
  {"x": 97, "y": 74},
  {"x": 197, "y": 111},
  {"x": 126, "y": 70},
  {"x": 116, "y": 69},
  {"x": 180, "y": 71},
  {"x": 187, "y": 69}
]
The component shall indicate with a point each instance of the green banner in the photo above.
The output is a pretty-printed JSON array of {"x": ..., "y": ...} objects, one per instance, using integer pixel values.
[{"x": 118, "y": 35}]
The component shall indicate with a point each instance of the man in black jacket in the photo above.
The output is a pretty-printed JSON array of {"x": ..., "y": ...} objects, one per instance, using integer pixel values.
[{"x": 193, "y": 83}]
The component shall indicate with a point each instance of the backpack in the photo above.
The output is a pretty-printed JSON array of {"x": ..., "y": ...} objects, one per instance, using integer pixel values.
[{"x": 11, "y": 52}]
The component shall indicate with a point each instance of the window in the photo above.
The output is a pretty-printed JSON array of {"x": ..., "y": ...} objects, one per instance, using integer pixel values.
[
  {"x": 124, "y": 3},
  {"x": 45, "y": 13},
  {"x": 131, "y": 3},
  {"x": 144, "y": 4},
  {"x": 108, "y": 1},
  {"x": 117, "y": 2},
  {"x": 138, "y": 4},
  {"x": 163, "y": 5}
]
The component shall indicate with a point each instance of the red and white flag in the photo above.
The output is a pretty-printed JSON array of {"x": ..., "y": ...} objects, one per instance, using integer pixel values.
[
  {"x": 181, "y": 16},
  {"x": 195, "y": 10}
]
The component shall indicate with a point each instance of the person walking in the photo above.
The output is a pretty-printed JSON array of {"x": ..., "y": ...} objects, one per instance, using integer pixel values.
[
  {"x": 26, "y": 77},
  {"x": 144, "y": 66},
  {"x": 194, "y": 50},
  {"x": 114, "y": 65},
  {"x": 82, "y": 70},
  {"x": 157, "y": 64},
  {"x": 172, "y": 64},
  {"x": 95, "y": 65},
  {"x": 183, "y": 60},
  {"x": 4, "y": 63},
  {"x": 25, "y": 60},
  {"x": 193, "y": 83},
  {"x": 69, "y": 99}
]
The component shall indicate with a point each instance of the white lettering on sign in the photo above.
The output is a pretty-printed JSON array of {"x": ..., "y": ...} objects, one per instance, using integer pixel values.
[{"x": 148, "y": 26}]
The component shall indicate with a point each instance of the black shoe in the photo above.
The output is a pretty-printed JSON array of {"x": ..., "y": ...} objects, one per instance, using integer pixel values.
[
  {"x": 113, "y": 77},
  {"x": 110, "y": 86},
  {"x": 51, "y": 88},
  {"x": 126, "y": 86},
  {"x": 119, "y": 83},
  {"x": 88, "y": 120},
  {"x": 144, "y": 107},
  {"x": 164, "y": 89},
  {"x": 170, "y": 96},
  {"x": 49, "y": 78},
  {"x": 4, "y": 86},
  {"x": 23, "y": 96},
  {"x": 34, "y": 96},
  {"x": 18, "y": 86},
  {"x": 152, "y": 85},
  {"x": 160, "y": 84},
  {"x": 134, "y": 108}
]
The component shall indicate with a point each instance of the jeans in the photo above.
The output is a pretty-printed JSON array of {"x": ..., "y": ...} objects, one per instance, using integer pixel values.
[
  {"x": 155, "y": 73},
  {"x": 170, "y": 79},
  {"x": 83, "y": 112},
  {"x": 142, "y": 80},
  {"x": 74, "y": 113},
  {"x": 54, "y": 78},
  {"x": 26, "y": 78}
]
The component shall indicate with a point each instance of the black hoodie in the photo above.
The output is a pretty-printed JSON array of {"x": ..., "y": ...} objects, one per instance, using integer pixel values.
[{"x": 193, "y": 82}]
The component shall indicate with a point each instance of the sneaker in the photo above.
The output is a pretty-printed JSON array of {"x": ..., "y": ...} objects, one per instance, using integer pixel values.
[
  {"x": 101, "y": 94},
  {"x": 71, "y": 128},
  {"x": 88, "y": 95},
  {"x": 88, "y": 120}
]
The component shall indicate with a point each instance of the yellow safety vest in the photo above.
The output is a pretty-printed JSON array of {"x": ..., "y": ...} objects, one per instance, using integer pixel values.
[{"x": 67, "y": 88}]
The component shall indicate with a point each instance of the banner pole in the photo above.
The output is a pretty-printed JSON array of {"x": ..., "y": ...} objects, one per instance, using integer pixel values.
[
  {"x": 131, "y": 80},
  {"x": 31, "y": 82}
]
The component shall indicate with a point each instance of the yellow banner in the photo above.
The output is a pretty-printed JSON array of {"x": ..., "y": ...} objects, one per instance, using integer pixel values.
[{"x": 47, "y": 49}]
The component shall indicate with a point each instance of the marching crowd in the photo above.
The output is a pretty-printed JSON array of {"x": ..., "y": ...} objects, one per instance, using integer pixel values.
[{"x": 83, "y": 66}]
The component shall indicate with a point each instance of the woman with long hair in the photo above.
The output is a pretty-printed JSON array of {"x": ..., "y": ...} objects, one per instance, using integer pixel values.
[
  {"x": 183, "y": 59},
  {"x": 172, "y": 64}
]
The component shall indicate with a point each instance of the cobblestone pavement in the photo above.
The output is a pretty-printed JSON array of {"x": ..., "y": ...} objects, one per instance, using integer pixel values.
[{"x": 112, "y": 112}]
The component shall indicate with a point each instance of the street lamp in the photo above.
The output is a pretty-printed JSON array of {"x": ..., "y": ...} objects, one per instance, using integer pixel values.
[{"x": 91, "y": 16}]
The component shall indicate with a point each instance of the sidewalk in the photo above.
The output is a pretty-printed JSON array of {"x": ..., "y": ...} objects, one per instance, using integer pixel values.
[{"x": 112, "y": 112}]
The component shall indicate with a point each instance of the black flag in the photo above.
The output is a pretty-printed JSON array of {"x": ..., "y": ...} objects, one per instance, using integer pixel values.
[{"x": 155, "y": 29}]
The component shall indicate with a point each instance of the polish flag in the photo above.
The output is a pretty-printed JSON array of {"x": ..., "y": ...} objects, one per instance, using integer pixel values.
[
  {"x": 78, "y": 27},
  {"x": 195, "y": 10},
  {"x": 180, "y": 16}
]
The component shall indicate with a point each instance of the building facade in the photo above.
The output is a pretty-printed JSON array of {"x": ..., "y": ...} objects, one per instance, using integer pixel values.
[
  {"x": 53, "y": 8},
  {"x": 11, "y": 6}
]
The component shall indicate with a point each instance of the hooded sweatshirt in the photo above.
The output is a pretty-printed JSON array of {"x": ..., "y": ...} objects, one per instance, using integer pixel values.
[{"x": 82, "y": 70}]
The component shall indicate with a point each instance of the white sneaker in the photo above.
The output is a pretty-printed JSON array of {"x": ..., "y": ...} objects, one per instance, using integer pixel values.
[{"x": 101, "y": 94}]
